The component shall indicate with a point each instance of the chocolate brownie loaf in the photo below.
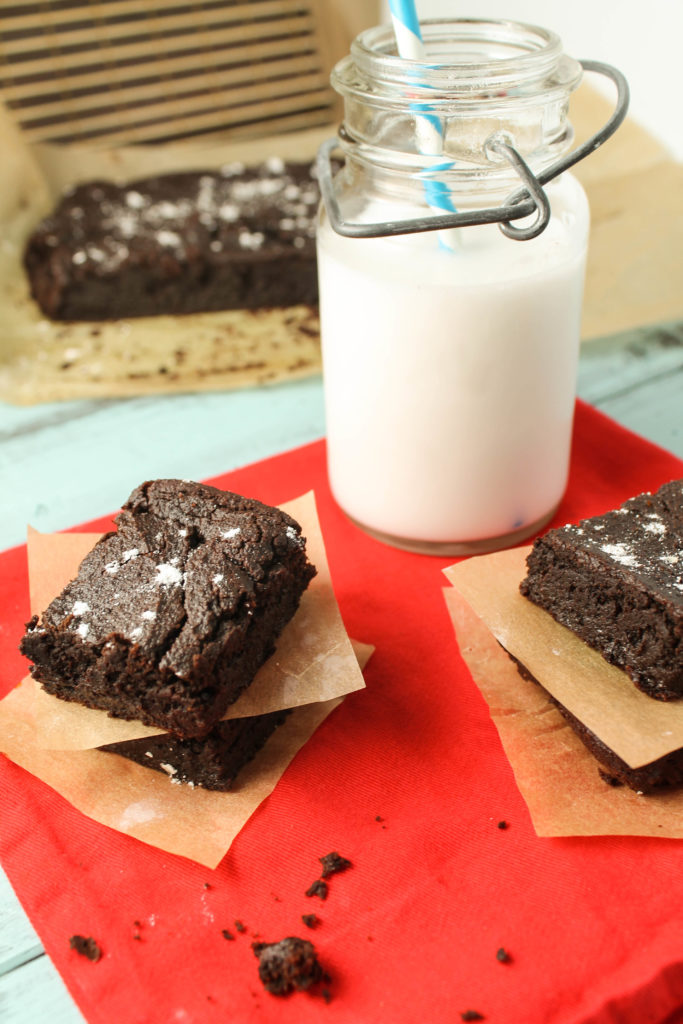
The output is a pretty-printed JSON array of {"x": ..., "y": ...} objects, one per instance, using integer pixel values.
[
  {"x": 241, "y": 238},
  {"x": 616, "y": 580},
  {"x": 170, "y": 617},
  {"x": 212, "y": 762},
  {"x": 664, "y": 773}
]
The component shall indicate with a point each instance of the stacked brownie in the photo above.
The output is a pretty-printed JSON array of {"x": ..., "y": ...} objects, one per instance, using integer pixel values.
[
  {"x": 238, "y": 238},
  {"x": 170, "y": 618},
  {"x": 616, "y": 581}
]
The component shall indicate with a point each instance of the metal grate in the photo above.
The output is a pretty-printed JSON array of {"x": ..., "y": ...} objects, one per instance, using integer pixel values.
[{"x": 115, "y": 72}]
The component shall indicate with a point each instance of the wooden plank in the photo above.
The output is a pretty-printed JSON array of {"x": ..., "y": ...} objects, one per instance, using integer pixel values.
[
  {"x": 612, "y": 365},
  {"x": 126, "y": 441},
  {"x": 205, "y": 81},
  {"x": 174, "y": 108},
  {"x": 16, "y": 22},
  {"x": 111, "y": 77},
  {"x": 57, "y": 62},
  {"x": 281, "y": 123},
  {"x": 157, "y": 23},
  {"x": 637, "y": 378},
  {"x": 222, "y": 118},
  {"x": 34, "y": 994},
  {"x": 653, "y": 408},
  {"x": 76, "y": 53},
  {"x": 18, "y": 941}
]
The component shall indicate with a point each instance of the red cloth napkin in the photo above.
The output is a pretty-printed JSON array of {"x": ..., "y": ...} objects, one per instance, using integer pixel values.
[{"x": 406, "y": 779}]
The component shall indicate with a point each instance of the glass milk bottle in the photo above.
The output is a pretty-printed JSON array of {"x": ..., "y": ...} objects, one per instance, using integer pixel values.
[{"x": 450, "y": 357}]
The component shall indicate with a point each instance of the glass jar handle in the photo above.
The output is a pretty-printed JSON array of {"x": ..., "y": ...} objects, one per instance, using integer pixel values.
[{"x": 522, "y": 203}]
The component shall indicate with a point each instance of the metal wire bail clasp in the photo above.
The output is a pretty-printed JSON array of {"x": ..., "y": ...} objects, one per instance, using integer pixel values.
[{"x": 529, "y": 199}]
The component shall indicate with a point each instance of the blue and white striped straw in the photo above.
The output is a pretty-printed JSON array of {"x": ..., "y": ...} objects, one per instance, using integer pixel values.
[{"x": 410, "y": 45}]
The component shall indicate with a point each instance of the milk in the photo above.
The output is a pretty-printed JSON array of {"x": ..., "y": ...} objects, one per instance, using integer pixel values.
[{"x": 450, "y": 376}]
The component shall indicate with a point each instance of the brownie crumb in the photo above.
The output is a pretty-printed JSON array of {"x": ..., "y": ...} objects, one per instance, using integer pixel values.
[
  {"x": 207, "y": 885},
  {"x": 310, "y": 920},
  {"x": 503, "y": 825},
  {"x": 502, "y": 956},
  {"x": 471, "y": 1015},
  {"x": 86, "y": 947},
  {"x": 333, "y": 863},
  {"x": 319, "y": 888},
  {"x": 240, "y": 927},
  {"x": 289, "y": 964},
  {"x": 326, "y": 994},
  {"x": 378, "y": 817},
  {"x": 227, "y": 935}
]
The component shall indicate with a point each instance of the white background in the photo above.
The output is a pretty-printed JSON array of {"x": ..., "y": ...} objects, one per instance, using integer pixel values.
[{"x": 643, "y": 38}]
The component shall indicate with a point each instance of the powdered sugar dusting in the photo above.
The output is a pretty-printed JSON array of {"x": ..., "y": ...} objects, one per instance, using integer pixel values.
[
  {"x": 207, "y": 213},
  {"x": 295, "y": 537},
  {"x": 620, "y": 553},
  {"x": 168, "y": 575}
]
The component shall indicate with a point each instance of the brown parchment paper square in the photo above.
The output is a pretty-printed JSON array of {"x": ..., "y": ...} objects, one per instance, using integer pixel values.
[
  {"x": 557, "y": 777},
  {"x": 314, "y": 660},
  {"x": 636, "y": 727},
  {"x": 53, "y": 739},
  {"x": 193, "y": 822}
]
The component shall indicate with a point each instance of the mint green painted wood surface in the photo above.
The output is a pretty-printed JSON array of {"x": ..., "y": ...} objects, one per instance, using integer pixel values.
[{"x": 62, "y": 464}]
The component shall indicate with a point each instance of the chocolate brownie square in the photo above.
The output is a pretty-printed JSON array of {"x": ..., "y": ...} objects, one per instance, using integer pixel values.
[
  {"x": 616, "y": 581},
  {"x": 171, "y": 616},
  {"x": 212, "y": 762},
  {"x": 238, "y": 238}
]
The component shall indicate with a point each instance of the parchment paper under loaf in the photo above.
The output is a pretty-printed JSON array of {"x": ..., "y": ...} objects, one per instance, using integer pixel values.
[
  {"x": 635, "y": 265},
  {"x": 636, "y": 727},
  {"x": 43, "y": 360},
  {"x": 314, "y": 660}
]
